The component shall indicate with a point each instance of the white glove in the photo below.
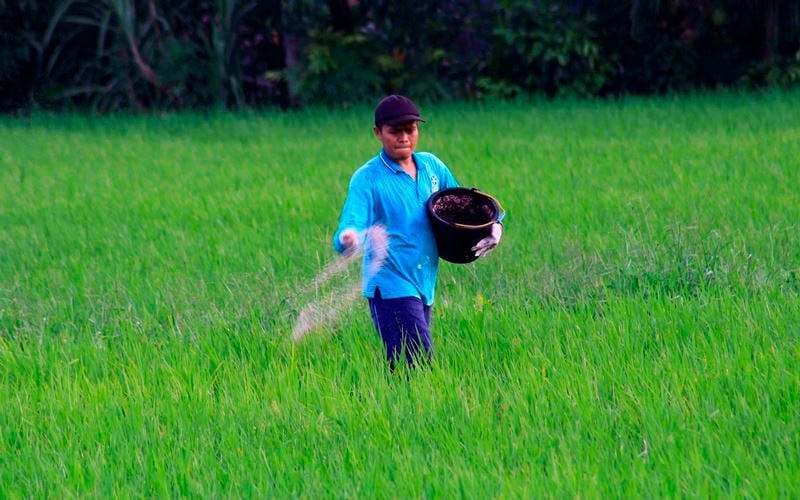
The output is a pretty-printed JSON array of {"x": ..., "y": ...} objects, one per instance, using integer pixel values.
[{"x": 486, "y": 245}]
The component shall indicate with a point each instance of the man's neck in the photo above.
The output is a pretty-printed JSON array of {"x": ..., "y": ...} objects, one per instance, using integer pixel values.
[{"x": 408, "y": 165}]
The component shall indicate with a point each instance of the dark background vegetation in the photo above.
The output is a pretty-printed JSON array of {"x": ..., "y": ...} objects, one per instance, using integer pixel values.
[{"x": 105, "y": 55}]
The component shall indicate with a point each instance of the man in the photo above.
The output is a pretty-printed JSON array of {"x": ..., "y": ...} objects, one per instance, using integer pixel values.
[{"x": 391, "y": 190}]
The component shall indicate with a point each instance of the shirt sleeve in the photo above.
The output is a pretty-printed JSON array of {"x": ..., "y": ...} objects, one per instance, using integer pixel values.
[
  {"x": 446, "y": 178},
  {"x": 357, "y": 211}
]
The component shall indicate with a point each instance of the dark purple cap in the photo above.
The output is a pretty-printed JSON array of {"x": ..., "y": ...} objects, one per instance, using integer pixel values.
[{"x": 394, "y": 110}]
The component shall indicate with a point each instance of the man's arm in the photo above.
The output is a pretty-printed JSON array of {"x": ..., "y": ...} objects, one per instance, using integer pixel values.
[{"x": 355, "y": 218}]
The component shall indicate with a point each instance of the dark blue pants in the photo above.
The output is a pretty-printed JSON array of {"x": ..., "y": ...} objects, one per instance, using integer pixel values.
[{"x": 405, "y": 326}]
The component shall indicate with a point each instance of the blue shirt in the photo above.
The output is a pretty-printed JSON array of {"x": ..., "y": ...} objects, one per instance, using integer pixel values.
[{"x": 381, "y": 192}]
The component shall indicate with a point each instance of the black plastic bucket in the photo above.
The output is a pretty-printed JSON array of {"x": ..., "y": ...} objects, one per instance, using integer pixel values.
[{"x": 460, "y": 218}]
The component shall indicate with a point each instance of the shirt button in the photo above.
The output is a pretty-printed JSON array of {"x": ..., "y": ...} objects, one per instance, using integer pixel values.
[{"x": 419, "y": 266}]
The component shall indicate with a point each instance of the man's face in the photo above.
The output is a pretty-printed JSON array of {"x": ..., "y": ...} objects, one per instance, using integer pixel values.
[{"x": 399, "y": 141}]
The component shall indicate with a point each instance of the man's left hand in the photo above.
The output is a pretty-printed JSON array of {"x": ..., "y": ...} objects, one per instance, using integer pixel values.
[{"x": 486, "y": 245}]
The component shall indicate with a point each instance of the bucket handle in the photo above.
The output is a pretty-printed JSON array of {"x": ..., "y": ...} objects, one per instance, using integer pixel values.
[{"x": 481, "y": 226}]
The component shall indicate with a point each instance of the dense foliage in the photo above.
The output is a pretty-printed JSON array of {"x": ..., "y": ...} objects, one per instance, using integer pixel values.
[{"x": 141, "y": 54}]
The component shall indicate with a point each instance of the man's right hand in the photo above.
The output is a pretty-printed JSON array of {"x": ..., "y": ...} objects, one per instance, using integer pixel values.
[{"x": 349, "y": 240}]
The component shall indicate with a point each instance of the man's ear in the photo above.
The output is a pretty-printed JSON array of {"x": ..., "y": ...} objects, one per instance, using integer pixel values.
[{"x": 377, "y": 132}]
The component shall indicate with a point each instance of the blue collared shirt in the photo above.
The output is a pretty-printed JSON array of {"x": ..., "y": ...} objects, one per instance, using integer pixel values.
[{"x": 381, "y": 192}]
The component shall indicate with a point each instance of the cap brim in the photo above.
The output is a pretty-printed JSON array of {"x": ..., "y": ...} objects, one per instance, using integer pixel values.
[{"x": 399, "y": 120}]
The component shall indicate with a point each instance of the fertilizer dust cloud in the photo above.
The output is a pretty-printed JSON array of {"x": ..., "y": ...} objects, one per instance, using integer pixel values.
[{"x": 325, "y": 309}]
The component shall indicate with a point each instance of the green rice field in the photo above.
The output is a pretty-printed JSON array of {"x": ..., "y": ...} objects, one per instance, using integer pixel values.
[{"x": 635, "y": 334}]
